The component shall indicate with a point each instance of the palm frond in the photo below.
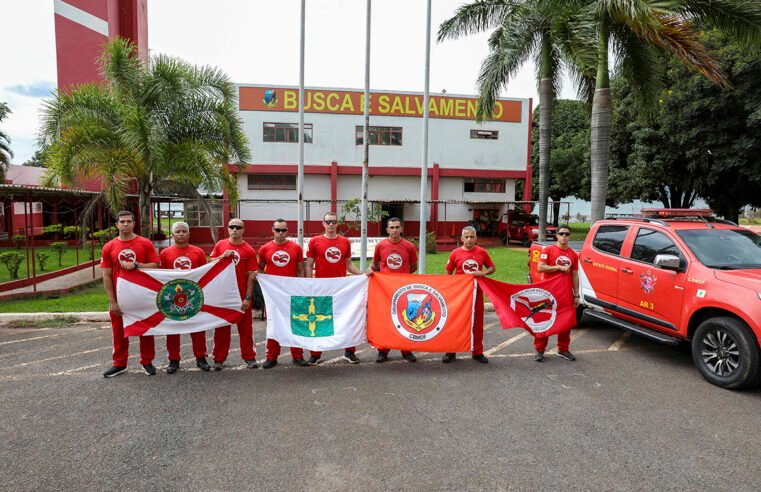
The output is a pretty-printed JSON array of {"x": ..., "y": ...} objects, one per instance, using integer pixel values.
[
  {"x": 740, "y": 18},
  {"x": 475, "y": 17},
  {"x": 638, "y": 62}
]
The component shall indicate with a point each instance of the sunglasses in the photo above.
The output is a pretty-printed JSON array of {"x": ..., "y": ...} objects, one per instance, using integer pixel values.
[
  {"x": 280, "y": 230},
  {"x": 564, "y": 233},
  {"x": 235, "y": 227},
  {"x": 331, "y": 222}
]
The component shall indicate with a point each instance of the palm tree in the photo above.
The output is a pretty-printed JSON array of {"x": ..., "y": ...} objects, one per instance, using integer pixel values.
[
  {"x": 154, "y": 124},
  {"x": 635, "y": 30},
  {"x": 552, "y": 35},
  {"x": 6, "y": 154}
]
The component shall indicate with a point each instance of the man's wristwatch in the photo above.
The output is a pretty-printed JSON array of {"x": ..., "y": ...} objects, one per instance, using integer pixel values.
[
  {"x": 249, "y": 298},
  {"x": 137, "y": 264}
]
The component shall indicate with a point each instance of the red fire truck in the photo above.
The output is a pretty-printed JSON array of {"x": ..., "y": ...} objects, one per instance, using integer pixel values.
[{"x": 675, "y": 275}]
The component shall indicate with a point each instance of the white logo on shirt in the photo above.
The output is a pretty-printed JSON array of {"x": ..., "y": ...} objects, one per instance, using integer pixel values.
[
  {"x": 470, "y": 266},
  {"x": 127, "y": 256},
  {"x": 394, "y": 261},
  {"x": 563, "y": 261},
  {"x": 333, "y": 254},
  {"x": 281, "y": 258},
  {"x": 183, "y": 263}
]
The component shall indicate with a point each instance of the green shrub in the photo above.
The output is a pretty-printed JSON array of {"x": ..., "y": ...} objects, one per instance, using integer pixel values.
[
  {"x": 53, "y": 229},
  {"x": 430, "y": 242},
  {"x": 60, "y": 248},
  {"x": 104, "y": 235},
  {"x": 18, "y": 239},
  {"x": 42, "y": 258},
  {"x": 12, "y": 261}
]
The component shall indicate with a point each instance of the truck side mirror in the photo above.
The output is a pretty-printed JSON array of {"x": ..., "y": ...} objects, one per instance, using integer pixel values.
[{"x": 667, "y": 262}]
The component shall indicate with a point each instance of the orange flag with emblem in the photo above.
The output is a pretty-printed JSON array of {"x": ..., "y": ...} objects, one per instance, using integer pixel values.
[{"x": 420, "y": 313}]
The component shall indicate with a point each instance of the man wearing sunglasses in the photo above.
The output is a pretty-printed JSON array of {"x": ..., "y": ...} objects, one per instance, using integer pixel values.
[
  {"x": 555, "y": 260},
  {"x": 284, "y": 258},
  {"x": 394, "y": 255},
  {"x": 329, "y": 256},
  {"x": 244, "y": 258}
]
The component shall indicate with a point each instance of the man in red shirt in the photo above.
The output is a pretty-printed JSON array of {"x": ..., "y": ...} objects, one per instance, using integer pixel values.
[
  {"x": 394, "y": 255},
  {"x": 244, "y": 258},
  {"x": 128, "y": 251},
  {"x": 183, "y": 256},
  {"x": 555, "y": 260},
  {"x": 285, "y": 258},
  {"x": 473, "y": 260},
  {"x": 329, "y": 256}
]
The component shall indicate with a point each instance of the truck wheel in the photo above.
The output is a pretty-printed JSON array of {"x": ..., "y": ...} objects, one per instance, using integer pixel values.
[
  {"x": 726, "y": 353},
  {"x": 526, "y": 241},
  {"x": 504, "y": 238}
]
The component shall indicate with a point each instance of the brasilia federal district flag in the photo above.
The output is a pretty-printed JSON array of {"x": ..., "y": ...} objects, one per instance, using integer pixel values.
[
  {"x": 315, "y": 313},
  {"x": 166, "y": 302},
  {"x": 421, "y": 313},
  {"x": 544, "y": 308}
]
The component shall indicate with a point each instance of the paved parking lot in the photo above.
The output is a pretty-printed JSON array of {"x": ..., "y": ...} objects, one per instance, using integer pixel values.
[{"x": 628, "y": 414}]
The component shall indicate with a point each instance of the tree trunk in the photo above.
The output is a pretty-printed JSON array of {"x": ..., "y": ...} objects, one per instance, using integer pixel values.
[
  {"x": 545, "y": 141},
  {"x": 556, "y": 213},
  {"x": 144, "y": 202},
  {"x": 600, "y": 128}
]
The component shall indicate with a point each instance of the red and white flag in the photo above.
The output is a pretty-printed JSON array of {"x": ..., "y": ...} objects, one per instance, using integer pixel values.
[
  {"x": 544, "y": 308},
  {"x": 167, "y": 302}
]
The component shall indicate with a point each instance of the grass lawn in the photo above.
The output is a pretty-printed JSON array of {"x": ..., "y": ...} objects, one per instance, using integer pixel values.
[
  {"x": 69, "y": 259},
  {"x": 511, "y": 266}
]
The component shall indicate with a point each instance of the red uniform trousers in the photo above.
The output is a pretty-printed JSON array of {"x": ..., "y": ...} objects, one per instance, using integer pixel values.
[
  {"x": 564, "y": 341},
  {"x": 245, "y": 333},
  {"x": 478, "y": 323},
  {"x": 273, "y": 350},
  {"x": 198, "y": 339},
  {"x": 121, "y": 343},
  {"x": 319, "y": 354}
]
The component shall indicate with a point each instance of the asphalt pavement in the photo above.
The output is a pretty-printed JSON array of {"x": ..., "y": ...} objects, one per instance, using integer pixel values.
[{"x": 627, "y": 415}]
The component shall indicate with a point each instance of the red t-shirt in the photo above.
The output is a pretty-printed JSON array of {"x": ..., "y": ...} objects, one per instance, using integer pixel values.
[
  {"x": 556, "y": 256},
  {"x": 137, "y": 249},
  {"x": 182, "y": 258},
  {"x": 464, "y": 261},
  {"x": 244, "y": 259},
  {"x": 281, "y": 259},
  {"x": 329, "y": 256},
  {"x": 395, "y": 257}
]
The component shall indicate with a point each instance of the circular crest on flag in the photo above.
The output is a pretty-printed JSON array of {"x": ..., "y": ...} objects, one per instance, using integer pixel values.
[
  {"x": 536, "y": 307},
  {"x": 180, "y": 299},
  {"x": 127, "y": 256},
  {"x": 183, "y": 263},
  {"x": 419, "y": 312},
  {"x": 333, "y": 254},
  {"x": 281, "y": 258},
  {"x": 394, "y": 261}
]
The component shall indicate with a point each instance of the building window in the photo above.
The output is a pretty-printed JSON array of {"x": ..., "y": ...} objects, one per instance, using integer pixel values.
[
  {"x": 271, "y": 181},
  {"x": 196, "y": 215},
  {"x": 484, "y": 134},
  {"x": 380, "y": 135},
  {"x": 483, "y": 185},
  {"x": 286, "y": 132}
]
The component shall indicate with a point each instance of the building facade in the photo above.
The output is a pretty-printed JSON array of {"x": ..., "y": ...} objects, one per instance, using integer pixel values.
[{"x": 472, "y": 169}]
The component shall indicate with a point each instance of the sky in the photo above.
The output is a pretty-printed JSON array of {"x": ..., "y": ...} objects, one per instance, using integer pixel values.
[{"x": 257, "y": 42}]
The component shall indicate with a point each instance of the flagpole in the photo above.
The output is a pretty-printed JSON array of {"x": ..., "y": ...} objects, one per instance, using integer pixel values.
[
  {"x": 366, "y": 141},
  {"x": 300, "y": 176},
  {"x": 424, "y": 163}
]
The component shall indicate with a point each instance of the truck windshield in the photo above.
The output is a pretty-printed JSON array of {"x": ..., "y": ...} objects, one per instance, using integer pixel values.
[{"x": 726, "y": 249}]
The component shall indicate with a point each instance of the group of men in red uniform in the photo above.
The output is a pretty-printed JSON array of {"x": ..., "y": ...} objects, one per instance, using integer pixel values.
[{"x": 328, "y": 256}]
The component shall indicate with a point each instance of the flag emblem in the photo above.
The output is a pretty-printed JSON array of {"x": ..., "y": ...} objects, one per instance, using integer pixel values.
[
  {"x": 270, "y": 97},
  {"x": 312, "y": 316},
  {"x": 394, "y": 261},
  {"x": 470, "y": 266},
  {"x": 281, "y": 258},
  {"x": 127, "y": 256},
  {"x": 536, "y": 307},
  {"x": 183, "y": 263},
  {"x": 418, "y": 312},
  {"x": 180, "y": 299}
]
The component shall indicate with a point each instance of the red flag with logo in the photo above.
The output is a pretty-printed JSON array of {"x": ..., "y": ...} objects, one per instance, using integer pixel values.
[
  {"x": 421, "y": 313},
  {"x": 544, "y": 308}
]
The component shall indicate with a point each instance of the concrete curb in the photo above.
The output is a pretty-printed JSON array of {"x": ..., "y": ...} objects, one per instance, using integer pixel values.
[
  {"x": 95, "y": 316},
  {"x": 92, "y": 316}
]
